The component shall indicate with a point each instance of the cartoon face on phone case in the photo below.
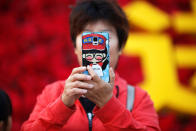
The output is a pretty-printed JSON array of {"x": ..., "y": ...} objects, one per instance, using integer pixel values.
[{"x": 95, "y": 52}]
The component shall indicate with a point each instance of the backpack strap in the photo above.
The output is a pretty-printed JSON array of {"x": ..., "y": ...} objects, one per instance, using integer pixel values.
[{"x": 130, "y": 97}]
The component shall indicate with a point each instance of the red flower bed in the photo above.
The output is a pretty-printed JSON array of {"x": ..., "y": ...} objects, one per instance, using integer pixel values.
[{"x": 35, "y": 49}]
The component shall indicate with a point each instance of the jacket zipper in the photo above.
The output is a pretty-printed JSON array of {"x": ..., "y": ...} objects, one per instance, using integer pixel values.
[{"x": 90, "y": 120}]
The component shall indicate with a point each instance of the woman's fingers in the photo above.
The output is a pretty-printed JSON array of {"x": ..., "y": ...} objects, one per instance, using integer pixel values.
[
  {"x": 77, "y": 91},
  {"x": 94, "y": 76},
  {"x": 112, "y": 76},
  {"x": 79, "y": 77},
  {"x": 79, "y": 84},
  {"x": 78, "y": 70}
]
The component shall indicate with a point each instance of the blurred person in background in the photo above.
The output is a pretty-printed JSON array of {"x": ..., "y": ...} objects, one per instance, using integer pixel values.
[
  {"x": 5, "y": 112},
  {"x": 61, "y": 107}
]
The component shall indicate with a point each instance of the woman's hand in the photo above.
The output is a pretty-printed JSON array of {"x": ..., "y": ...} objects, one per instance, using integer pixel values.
[
  {"x": 102, "y": 91},
  {"x": 75, "y": 86}
]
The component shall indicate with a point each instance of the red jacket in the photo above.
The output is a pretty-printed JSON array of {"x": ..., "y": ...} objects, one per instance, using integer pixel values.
[{"x": 51, "y": 114}]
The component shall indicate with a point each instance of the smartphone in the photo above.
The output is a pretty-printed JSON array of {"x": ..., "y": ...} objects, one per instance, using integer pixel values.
[{"x": 95, "y": 52}]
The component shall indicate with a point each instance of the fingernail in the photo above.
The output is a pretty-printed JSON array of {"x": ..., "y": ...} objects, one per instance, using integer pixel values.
[
  {"x": 84, "y": 91},
  {"x": 111, "y": 68},
  {"x": 88, "y": 77},
  {"x": 91, "y": 86}
]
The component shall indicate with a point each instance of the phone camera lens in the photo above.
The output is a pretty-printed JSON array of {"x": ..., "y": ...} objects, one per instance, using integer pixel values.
[{"x": 95, "y": 39}]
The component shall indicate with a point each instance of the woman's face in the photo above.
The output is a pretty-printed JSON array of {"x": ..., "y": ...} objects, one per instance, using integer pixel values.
[{"x": 100, "y": 26}]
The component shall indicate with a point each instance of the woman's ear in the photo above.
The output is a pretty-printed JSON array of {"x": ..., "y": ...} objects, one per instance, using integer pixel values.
[
  {"x": 75, "y": 51},
  {"x": 1, "y": 125},
  {"x": 121, "y": 49},
  {"x": 120, "y": 52}
]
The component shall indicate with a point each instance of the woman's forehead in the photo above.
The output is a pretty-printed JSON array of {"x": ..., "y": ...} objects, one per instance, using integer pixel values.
[{"x": 99, "y": 26}]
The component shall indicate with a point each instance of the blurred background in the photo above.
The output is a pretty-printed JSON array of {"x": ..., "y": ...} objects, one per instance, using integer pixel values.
[{"x": 160, "y": 54}]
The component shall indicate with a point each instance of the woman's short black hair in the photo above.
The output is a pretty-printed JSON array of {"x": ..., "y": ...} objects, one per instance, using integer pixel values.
[
  {"x": 89, "y": 11},
  {"x": 5, "y": 107}
]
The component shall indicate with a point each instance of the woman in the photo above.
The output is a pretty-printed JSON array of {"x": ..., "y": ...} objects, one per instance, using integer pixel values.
[{"x": 61, "y": 107}]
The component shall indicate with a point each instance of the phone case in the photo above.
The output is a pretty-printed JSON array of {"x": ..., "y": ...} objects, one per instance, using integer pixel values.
[{"x": 95, "y": 52}]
